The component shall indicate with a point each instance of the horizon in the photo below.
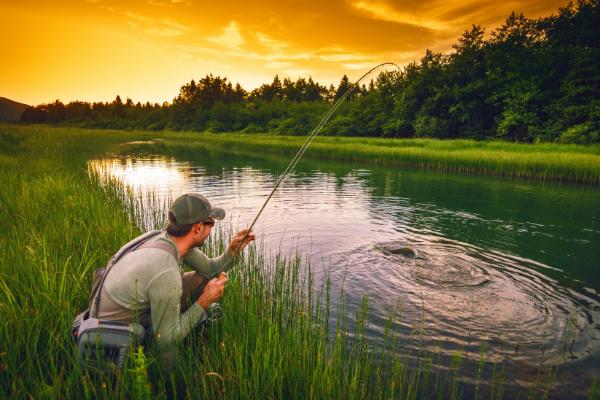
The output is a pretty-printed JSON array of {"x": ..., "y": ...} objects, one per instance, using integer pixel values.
[{"x": 94, "y": 50}]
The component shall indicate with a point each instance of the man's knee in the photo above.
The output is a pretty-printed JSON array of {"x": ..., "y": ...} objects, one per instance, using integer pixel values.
[{"x": 192, "y": 284}]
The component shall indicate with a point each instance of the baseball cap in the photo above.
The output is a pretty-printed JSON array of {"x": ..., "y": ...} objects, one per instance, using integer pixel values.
[{"x": 193, "y": 207}]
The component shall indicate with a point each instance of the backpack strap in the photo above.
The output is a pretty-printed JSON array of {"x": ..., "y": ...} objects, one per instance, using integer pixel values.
[
  {"x": 172, "y": 250},
  {"x": 142, "y": 241}
]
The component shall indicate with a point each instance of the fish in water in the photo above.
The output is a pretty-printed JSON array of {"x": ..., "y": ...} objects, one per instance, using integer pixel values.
[
  {"x": 405, "y": 251},
  {"x": 400, "y": 249}
]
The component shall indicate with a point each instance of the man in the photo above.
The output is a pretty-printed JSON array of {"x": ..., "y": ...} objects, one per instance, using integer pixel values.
[{"x": 148, "y": 285}]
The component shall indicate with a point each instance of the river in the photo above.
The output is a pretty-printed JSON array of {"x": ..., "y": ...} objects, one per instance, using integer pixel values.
[{"x": 505, "y": 267}]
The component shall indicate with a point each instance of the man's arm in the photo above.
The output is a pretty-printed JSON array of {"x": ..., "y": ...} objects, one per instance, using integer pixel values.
[
  {"x": 211, "y": 267},
  {"x": 208, "y": 267},
  {"x": 168, "y": 323}
]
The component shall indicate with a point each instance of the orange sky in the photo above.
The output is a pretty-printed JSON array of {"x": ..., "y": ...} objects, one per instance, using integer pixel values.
[{"x": 95, "y": 49}]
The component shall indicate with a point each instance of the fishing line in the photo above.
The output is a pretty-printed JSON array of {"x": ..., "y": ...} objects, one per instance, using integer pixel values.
[{"x": 311, "y": 136}]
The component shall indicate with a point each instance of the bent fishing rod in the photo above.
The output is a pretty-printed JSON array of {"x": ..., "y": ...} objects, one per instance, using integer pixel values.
[{"x": 311, "y": 136}]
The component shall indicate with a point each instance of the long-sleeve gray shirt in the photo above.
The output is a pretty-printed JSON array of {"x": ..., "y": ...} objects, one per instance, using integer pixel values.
[{"x": 145, "y": 286}]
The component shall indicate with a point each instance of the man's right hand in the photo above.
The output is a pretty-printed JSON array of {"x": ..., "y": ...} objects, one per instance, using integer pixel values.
[{"x": 212, "y": 292}]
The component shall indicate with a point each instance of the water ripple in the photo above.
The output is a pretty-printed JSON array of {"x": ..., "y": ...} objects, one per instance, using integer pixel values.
[{"x": 472, "y": 295}]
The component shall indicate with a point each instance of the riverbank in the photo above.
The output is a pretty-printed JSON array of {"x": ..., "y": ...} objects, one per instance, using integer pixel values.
[
  {"x": 276, "y": 339},
  {"x": 540, "y": 162}
]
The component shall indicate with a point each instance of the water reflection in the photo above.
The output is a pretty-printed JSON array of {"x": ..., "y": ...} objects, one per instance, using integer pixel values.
[
  {"x": 508, "y": 264},
  {"x": 148, "y": 176}
]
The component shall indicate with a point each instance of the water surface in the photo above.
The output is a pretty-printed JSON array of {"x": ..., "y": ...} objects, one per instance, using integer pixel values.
[{"x": 509, "y": 264}]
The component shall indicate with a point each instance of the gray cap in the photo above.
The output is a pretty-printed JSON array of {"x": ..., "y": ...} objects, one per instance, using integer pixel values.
[{"x": 192, "y": 207}]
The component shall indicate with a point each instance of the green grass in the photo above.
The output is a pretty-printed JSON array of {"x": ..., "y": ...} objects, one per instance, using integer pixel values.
[
  {"x": 542, "y": 162},
  {"x": 275, "y": 341}
]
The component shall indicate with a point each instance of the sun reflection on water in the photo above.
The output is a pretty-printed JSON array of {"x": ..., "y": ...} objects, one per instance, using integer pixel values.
[{"x": 146, "y": 176}]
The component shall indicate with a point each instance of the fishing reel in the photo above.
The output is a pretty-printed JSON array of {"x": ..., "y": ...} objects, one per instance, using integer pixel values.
[{"x": 214, "y": 312}]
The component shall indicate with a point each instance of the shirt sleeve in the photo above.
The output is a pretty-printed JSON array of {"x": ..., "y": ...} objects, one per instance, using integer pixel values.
[
  {"x": 208, "y": 267},
  {"x": 168, "y": 323}
]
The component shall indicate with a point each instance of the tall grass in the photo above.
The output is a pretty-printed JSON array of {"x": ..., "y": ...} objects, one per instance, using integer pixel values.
[
  {"x": 276, "y": 340},
  {"x": 543, "y": 162}
]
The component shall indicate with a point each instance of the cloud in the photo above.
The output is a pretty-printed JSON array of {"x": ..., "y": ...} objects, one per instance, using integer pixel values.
[
  {"x": 247, "y": 54},
  {"x": 230, "y": 38},
  {"x": 278, "y": 64},
  {"x": 258, "y": 56},
  {"x": 296, "y": 72},
  {"x": 447, "y": 18},
  {"x": 156, "y": 27},
  {"x": 363, "y": 66},
  {"x": 168, "y": 3},
  {"x": 341, "y": 55},
  {"x": 269, "y": 43},
  {"x": 381, "y": 10},
  {"x": 108, "y": 8}
]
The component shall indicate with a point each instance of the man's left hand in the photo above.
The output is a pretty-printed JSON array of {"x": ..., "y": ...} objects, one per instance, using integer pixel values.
[{"x": 236, "y": 245}]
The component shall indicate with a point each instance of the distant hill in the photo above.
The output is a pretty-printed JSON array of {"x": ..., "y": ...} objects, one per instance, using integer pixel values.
[{"x": 11, "y": 110}]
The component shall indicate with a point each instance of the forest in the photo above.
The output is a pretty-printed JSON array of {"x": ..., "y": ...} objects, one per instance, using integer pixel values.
[{"x": 529, "y": 80}]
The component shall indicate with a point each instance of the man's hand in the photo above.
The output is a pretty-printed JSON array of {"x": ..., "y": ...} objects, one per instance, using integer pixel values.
[
  {"x": 237, "y": 245},
  {"x": 223, "y": 277},
  {"x": 212, "y": 291}
]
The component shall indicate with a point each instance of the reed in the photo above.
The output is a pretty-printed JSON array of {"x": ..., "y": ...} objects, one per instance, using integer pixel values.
[{"x": 280, "y": 336}]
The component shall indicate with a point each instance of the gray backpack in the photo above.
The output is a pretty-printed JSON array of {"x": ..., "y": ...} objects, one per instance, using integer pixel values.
[{"x": 104, "y": 344}]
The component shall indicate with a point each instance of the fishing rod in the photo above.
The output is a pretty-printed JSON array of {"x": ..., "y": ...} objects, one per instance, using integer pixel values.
[{"x": 311, "y": 136}]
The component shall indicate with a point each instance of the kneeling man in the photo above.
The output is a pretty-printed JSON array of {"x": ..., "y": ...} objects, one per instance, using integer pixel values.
[{"x": 148, "y": 285}]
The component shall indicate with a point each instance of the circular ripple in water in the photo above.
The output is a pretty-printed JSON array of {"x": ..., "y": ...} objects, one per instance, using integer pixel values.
[
  {"x": 437, "y": 269},
  {"x": 471, "y": 295}
]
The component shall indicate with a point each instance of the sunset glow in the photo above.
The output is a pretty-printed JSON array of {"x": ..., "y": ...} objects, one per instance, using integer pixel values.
[{"x": 93, "y": 50}]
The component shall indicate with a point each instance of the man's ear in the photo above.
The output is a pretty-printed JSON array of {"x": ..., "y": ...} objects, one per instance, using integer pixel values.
[{"x": 197, "y": 228}]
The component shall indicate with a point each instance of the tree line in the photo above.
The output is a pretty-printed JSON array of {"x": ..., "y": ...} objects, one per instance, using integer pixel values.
[{"x": 529, "y": 80}]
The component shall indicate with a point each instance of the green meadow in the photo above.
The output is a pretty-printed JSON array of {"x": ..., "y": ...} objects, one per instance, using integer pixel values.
[{"x": 277, "y": 339}]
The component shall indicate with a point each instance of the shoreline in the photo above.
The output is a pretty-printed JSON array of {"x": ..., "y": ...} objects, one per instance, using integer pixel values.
[
  {"x": 461, "y": 156},
  {"x": 543, "y": 162},
  {"x": 546, "y": 162}
]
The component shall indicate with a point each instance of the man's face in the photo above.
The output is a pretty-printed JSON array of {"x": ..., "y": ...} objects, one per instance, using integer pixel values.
[{"x": 201, "y": 231}]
